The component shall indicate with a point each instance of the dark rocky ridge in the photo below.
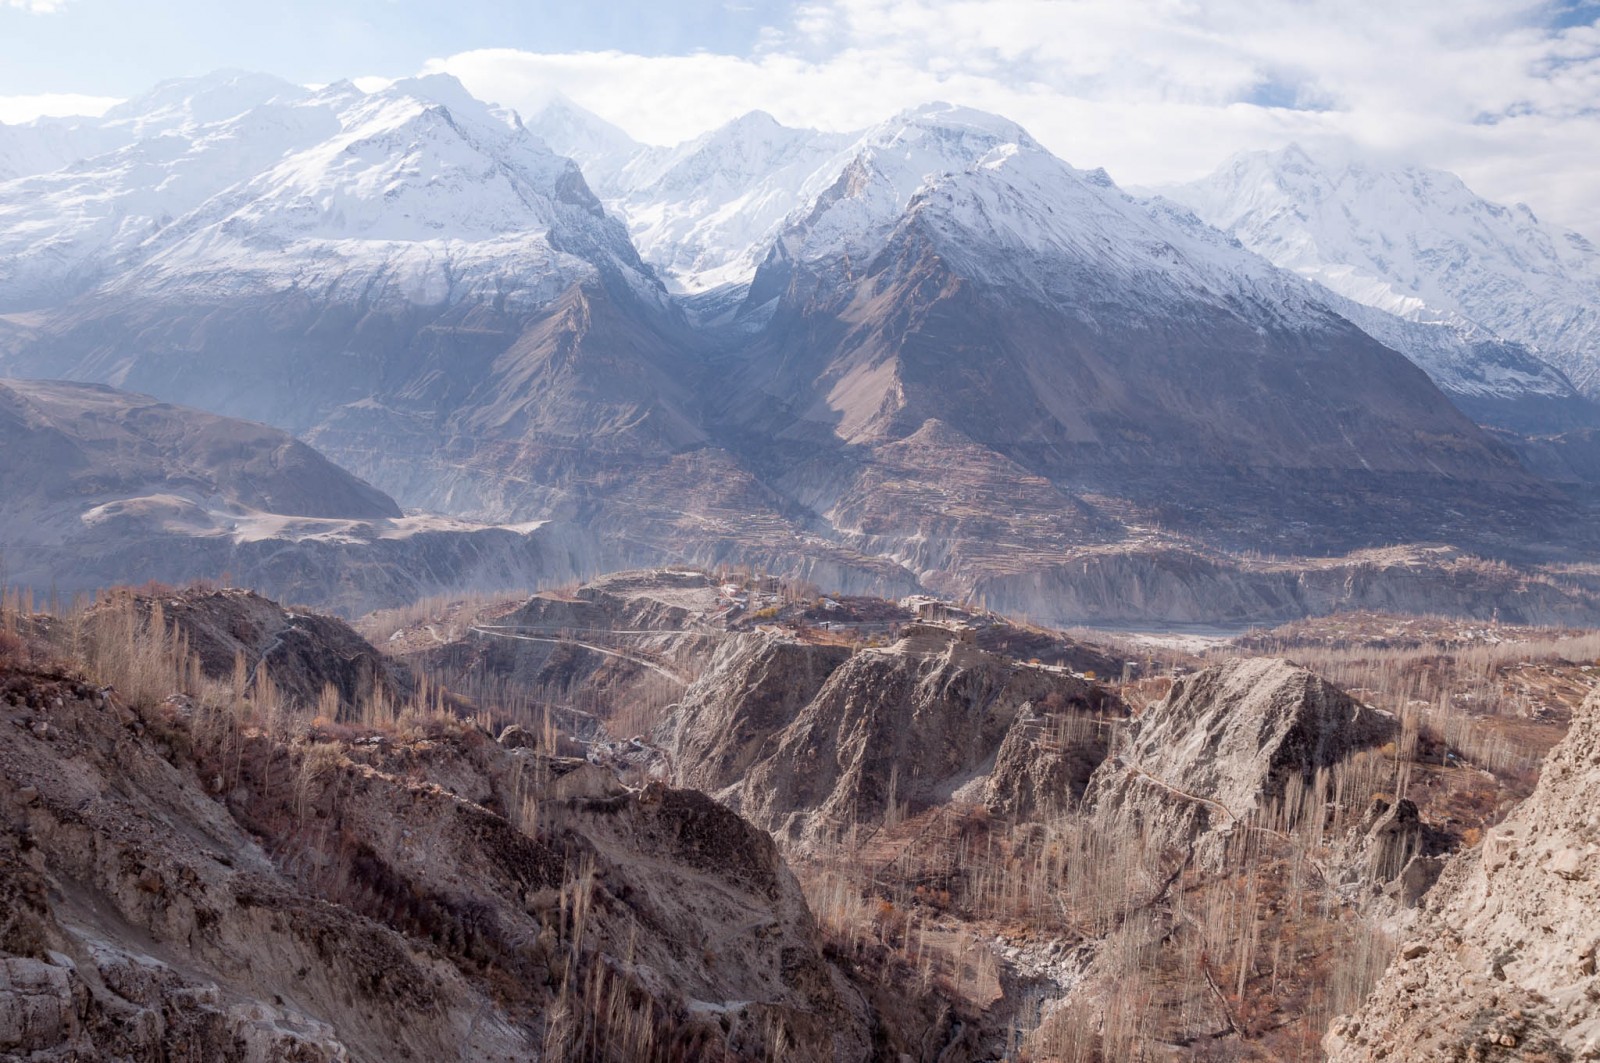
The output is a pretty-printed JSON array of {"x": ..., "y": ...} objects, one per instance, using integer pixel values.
[
  {"x": 1177, "y": 412},
  {"x": 67, "y": 443},
  {"x": 811, "y": 740}
]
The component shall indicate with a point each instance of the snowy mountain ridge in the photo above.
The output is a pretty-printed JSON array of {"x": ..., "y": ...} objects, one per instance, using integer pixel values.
[
  {"x": 419, "y": 194},
  {"x": 1019, "y": 218},
  {"x": 918, "y": 322},
  {"x": 417, "y": 185},
  {"x": 47, "y": 144},
  {"x": 1415, "y": 243},
  {"x": 701, "y": 212},
  {"x": 1014, "y": 216}
]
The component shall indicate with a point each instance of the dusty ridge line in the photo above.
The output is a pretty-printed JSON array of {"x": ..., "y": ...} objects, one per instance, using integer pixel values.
[
  {"x": 1235, "y": 820},
  {"x": 556, "y": 629},
  {"x": 1134, "y": 769},
  {"x": 640, "y": 661}
]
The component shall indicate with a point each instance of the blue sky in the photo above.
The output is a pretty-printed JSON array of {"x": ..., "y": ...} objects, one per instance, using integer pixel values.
[
  {"x": 1504, "y": 92},
  {"x": 119, "y": 47}
]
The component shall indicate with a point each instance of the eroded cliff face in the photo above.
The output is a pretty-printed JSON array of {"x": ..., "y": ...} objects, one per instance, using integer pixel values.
[
  {"x": 733, "y": 716},
  {"x": 1502, "y": 964},
  {"x": 1223, "y": 744},
  {"x": 810, "y": 740}
]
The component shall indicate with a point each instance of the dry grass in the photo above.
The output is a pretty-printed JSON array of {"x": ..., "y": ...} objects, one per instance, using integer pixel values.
[
  {"x": 1251, "y": 960},
  {"x": 1497, "y": 705},
  {"x": 1247, "y": 960}
]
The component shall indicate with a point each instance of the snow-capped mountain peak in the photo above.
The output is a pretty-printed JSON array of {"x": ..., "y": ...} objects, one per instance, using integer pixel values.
[
  {"x": 420, "y": 192},
  {"x": 47, "y": 144},
  {"x": 707, "y": 211},
  {"x": 850, "y": 204},
  {"x": 183, "y": 103},
  {"x": 1003, "y": 211},
  {"x": 1417, "y": 243},
  {"x": 702, "y": 212},
  {"x": 595, "y": 144},
  {"x": 951, "y": 122},
  {"x": 418, "y": 183}
]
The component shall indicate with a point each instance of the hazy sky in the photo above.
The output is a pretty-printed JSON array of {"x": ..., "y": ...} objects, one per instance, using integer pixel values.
[{"x": 1504, "y": 92}]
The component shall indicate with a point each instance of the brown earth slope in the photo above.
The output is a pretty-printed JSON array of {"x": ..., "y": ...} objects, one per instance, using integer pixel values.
[
  {"x": 200, "y": 879},
  {"x": 1502, "y": 966}
]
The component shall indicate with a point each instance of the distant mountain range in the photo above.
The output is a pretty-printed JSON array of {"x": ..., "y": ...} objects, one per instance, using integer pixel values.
[
  {"x": 1518, "y": 299},
  {"x": 101, "y": 486},
  {"x": 1418, "y": 244},
  {"x": 930, "y": 354}
]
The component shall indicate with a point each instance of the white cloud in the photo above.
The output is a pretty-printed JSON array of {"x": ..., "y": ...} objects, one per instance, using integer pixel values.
[
  {"x": 372, "y": 84},
  {"x": 1154, "y": 90},
  {"x": 35, "y": 7},
  {"x": 15, "y": 109}
]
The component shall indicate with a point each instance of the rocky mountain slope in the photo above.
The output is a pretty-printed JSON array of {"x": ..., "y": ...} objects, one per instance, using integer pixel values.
[
  {"x": 199, "y": 875},
  {"x": 1502, "y": 964},
  {"x": 1416, "y": 243},
  {"x": 989, "y": 789},
  {"x": 382, "y": 250},
  {"x": 991, "y": 857},
  {"x": 104, "y": 486},
  {"x": 85, "y": 443},
  {"x": 1014, "y": 318},
  {"x": 1498, "y": 383}
]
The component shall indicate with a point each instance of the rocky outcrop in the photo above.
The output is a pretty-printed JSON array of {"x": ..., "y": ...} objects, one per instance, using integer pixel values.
[
  {"x": 1502, "y": 964},
  {"x": 732, "y": 717},
  {"x": 1391, "y": 855},
  {"x": 1045, "y": 762},
  {"x": 305, "y": 656},
  {"x": 884, "y": 732},
  {"x": 1221, "y": 745}
]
